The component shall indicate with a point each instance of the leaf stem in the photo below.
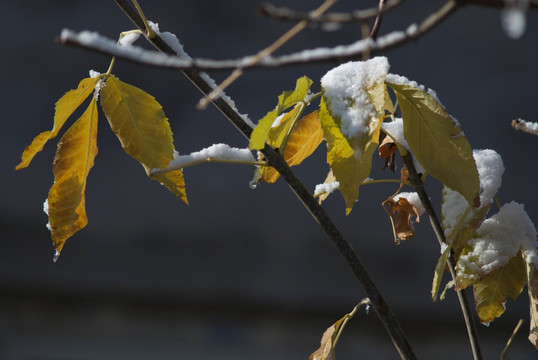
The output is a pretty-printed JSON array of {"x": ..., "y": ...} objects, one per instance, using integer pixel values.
[{"x": 438, "y": 230}]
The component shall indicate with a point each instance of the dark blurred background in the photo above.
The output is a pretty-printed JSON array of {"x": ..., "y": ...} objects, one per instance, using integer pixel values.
[{"x": 239, "y": 273}]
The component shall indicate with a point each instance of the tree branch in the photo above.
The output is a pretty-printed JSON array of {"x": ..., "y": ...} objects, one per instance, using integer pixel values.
[
  {"x": 93, "y": 41},
  {"x": 277, "y": 161},
  {"x": 286, "y": 14},
  {"x": 439, "y": 233},
  {"x": 525, "y": 126}
]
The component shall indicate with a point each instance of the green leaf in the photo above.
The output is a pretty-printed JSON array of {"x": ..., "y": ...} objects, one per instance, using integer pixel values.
[
  {"x": 139, "y": 123},
  {"x": 285, "y": 100},
  {"x": 64, "y": 108},
  {"x": 490, "y": 293},
  {"x": 438, "y": 274},
  {"x": 437, "y": 141}
]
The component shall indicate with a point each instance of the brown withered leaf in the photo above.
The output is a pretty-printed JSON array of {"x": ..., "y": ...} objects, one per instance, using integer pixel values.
[
  {"x": 326, "y": 350},
  {"x": 402, "y": 224},
  {"x": 387, "y": 150}
]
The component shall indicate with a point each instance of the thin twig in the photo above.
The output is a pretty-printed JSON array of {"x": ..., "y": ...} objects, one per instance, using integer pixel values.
[
  {"x": 522, "y": 125},
  {"x": 320, "y": 215},
  {"x": 286, "y": 14},
  {"x": 518, "y": 326},
  {"x": 415, "y": 179},
  {"x": 264, "y": 53},
  {"x": 377, "y": 23},
  {"x": 310, "y": 56}
]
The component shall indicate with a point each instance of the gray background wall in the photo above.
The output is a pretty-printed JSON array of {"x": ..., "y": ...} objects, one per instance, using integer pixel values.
[{"x": 239, "y": 273}]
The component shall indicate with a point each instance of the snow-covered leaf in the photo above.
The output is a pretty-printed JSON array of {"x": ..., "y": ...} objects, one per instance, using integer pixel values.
[
  {"x": 405, "y": 206},
  {"x": 351, "y": 113},
  {"x": 64, "y": 108},
  {"x": 436, "y": 140}
]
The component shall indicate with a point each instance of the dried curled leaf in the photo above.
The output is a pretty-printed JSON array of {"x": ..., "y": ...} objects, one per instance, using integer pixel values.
[
  {"x": 403, "y": 223},
  {"x": 64, "y": 108}
]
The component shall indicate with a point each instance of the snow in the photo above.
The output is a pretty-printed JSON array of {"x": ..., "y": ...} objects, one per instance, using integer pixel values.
[
  {"x": 129, "y": 38},
  {"x": 94, "y": 74},
  {"x": 396, "y": 130},
  {"x": 326, "y": 188},
  {"x": 171, "y": 40},
  {"x": 529, "y": 125},
  {"x": 216, "y": 152},
  {"x": 513, "y": 18},
  {"x": 345, "y": 89},
  {"x": 46, "y": 211},
  {"x": 490, "y": 170},
  {"x": 402, "y": 80},
  {"x": 499, "y": 239},
  {"x": 413, "y": 199}
]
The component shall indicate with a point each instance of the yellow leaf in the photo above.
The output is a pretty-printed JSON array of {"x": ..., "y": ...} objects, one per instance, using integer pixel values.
[
  {"x": 74, "y": 159},
  {"x": 532, "y": 287},
  {"x": 303, "y": 141},
  {"x": 350, "y": 165},
  {"x": 437, "y": 141},
  {"x": 64, "y": 108},
  {"x": 285, "y": 100},
  {"x": 139, "y": 123},
  {"x": 174, "y": 182},
  {"x": 490, "y": 293}
]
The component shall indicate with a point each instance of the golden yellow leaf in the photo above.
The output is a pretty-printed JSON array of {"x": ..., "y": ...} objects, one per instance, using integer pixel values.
[
  {"x": 139, "y": 123},
  {"x": 64, "y": 108},
  {"x": 74, "y": 159},
  {"x": 174, "y": 182},
  {"x": 303, "y": 141}
]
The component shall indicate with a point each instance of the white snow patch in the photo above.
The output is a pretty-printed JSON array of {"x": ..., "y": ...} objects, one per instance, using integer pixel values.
[
  {"x": 46, "y": 211},
  {"x": 171, "y": 40},
  {"x": 94, "y": 74},
  {"x": 326, "y": 188},
  {"x": 129, "y": 39},
  {"x": 490, "y": 170},
  {"x": 222, "y": 152},
  {"x": 346, "y": 90},
  {"x": 396, "y": 130},
  {"x": 499, "y": 239},
  {"x": 529, "y": 125},
  {"x": 513, "y": 18},
  {"x": 413, "y": 199}
]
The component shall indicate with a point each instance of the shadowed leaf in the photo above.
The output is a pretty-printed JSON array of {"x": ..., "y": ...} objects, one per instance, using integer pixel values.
[{"x": 72, "y": 163}]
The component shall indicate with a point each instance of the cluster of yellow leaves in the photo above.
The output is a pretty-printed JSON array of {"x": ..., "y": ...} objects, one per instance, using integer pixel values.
[{"x": 139, "y": 123}]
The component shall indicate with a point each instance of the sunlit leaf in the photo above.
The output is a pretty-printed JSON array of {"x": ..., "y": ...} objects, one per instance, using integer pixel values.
[
  {"x": 64, "y": 108},
  {"x": 490, "y": 293},
  {"x": 437, "y": 141},
  {"x": 139, "y": 123},
  {"x": 532, "y": 287},
  {"x": 174, "y": 182},
  {"x": 74, "y": 158},
  {"x": 303, "y": 141},
  {"x": 285, "y": 100},
  {"x": 350, "y": 166}
]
